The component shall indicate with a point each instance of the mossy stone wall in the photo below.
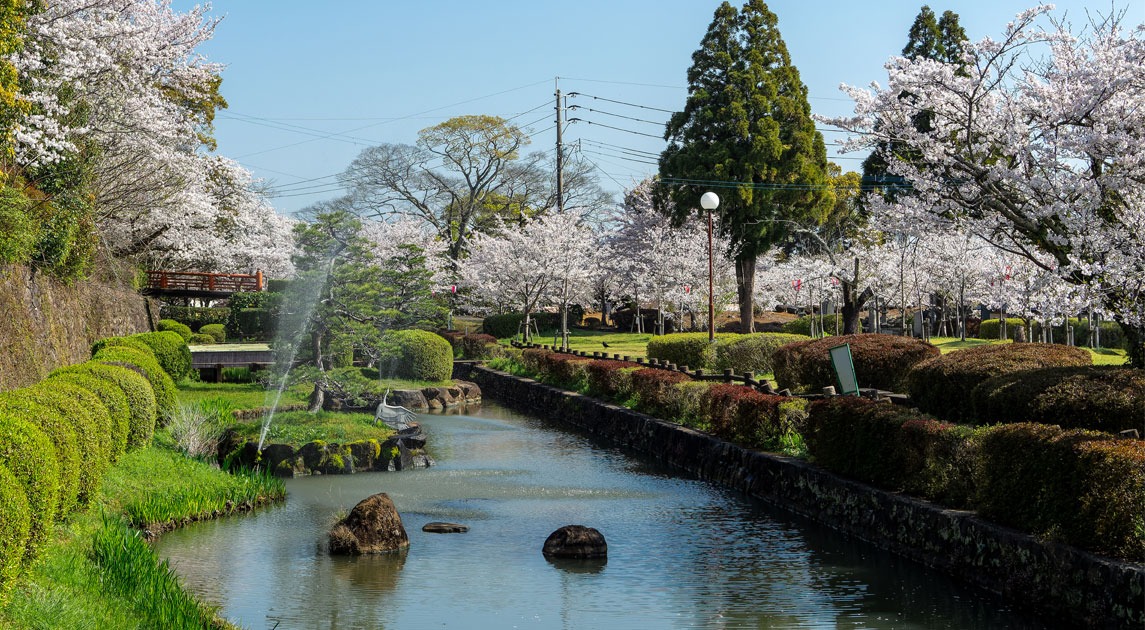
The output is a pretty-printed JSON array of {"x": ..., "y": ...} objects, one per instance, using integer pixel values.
[{"x": 45, "y": 324}]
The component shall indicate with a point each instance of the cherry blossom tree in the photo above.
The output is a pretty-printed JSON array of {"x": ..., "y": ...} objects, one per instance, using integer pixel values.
[
  {"x": 1036, "y": 144},
  {"x": 548, "y": 261}
]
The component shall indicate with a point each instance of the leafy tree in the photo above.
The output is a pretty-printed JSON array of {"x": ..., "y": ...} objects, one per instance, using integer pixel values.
[{"x": 746, "y": 130}]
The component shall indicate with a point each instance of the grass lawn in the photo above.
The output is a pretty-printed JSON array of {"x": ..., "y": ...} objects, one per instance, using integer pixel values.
[
  {"x": 299, "y": 427},
  {"x": 630, "y": 344},
  {"x": 240, "y": 395}
]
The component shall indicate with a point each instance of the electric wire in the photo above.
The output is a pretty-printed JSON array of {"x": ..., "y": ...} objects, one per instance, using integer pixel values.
[
  {"x": 638, "y": 133},
  {"x": 598, "y": 111},
  {"x": 609, "y": 100}
]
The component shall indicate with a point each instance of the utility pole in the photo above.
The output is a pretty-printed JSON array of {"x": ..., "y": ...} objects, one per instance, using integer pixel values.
[{"x": 560, "y": 154}]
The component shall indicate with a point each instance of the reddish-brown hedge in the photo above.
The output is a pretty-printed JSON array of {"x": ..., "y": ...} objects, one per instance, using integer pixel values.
[
  {"x": 476, "y": 346},
  {"x": 881, "y": 361},
  {"x": 611, "y": 379},
  {"x": 942, "y": 386},
  {"x": 741, "y": 414},
  {"x": 859, "y": 438}
]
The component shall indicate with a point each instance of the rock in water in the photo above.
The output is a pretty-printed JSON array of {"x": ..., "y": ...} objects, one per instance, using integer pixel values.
[
  {"x": 575, "y": 541},
  {"x": 373, "y": 526},
  {"x": 445, "y": 528}
]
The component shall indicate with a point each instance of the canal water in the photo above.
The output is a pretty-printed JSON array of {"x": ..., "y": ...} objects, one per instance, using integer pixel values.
[{"x": 682, "y": 553}]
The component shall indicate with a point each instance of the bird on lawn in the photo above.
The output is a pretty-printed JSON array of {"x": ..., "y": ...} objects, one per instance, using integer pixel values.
[{"x": 604, "y": 343}]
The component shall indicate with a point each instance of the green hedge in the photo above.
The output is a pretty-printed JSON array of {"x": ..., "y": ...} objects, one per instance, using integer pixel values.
[
  {"x": 61, "y": 431},
  {"x": 165, "y": 325},
  {"x": 138, "y": 392},
  {"x": 130, "y": 342},
  {"x": 93, "y": 429},
  {"x": 14, "y": 531},
  {"x": 161, "y": 384},
  {"x": 195, "y": 317},
  {"x": 1082, "y": 487},
  {"x": 881, "y": 361},
  {"x": 741, "y": 414},
  {"x": 502, "y": 326},
  {"x": 171, "y": 351},
  {"x": 28, "y": 454},
  {"x": 1100, "y": 397},
  {"x": 112, "y": 397},
  {"x": 690, "y": 349},
  {"x": 754, "y": 353},
  {"x": 610, "y": 379},
  {"x": 416, "y": 354},
  {"x": 201, "y": 339},
  {"x": 802, "y": 326},
  {"x": 1112, "y": 335},
  {"x": 218, "y": 331},
  {"x": 252, "y": 324},
  {"x": 943, "y": 385}
]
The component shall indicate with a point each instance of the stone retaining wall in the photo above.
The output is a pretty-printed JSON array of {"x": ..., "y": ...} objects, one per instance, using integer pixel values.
[{"x": 1052, "y": 581}]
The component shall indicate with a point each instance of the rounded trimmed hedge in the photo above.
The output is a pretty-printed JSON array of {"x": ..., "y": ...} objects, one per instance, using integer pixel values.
[
  {"x": 1101, "y": 397},
  {"x": 145, "y": 363},
  {"x": 14, "y": 530},
  {"x": 128, "y": 342},
  {"x": 217, "y": 331},
  {"x": 754, "y": 352},
  {"x": 171, "y": 351},
  {"x": 201, "y": 339},
  {"x": 112, "y": 397},
  {"x": 140, "y": 397},
  {"x": 28, "y": 454},
  {"x": 416, "y": 354},
  {"x": 881, "y": 361},
  {"x": 63, "y": 434},
  {"x": 691, "y": 349},
  {"x": 943, "y": 385},
  {"x": 171, "y": 325},
  {"x": 802, "y": 325},
  {"x": 93, "y": 429}
]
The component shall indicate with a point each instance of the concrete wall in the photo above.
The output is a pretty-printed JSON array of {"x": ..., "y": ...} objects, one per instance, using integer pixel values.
[{"x": 1051, "y": 581}]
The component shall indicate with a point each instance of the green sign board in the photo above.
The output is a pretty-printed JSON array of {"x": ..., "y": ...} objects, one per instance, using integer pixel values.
[{"x": 844, "y": 369}]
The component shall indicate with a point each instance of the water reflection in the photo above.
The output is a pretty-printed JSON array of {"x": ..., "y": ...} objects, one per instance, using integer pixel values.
[{"x": 682, "y": 553}]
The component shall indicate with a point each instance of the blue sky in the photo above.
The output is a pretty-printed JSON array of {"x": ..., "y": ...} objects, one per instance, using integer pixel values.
[{"x": 311, "y": 84}]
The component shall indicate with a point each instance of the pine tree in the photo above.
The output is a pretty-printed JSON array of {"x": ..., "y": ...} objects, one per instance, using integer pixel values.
[{"x": 746, "y": 131}]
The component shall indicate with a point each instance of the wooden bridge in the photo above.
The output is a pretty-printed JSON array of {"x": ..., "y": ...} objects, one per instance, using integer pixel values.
[{"x": 193, "y": 284}]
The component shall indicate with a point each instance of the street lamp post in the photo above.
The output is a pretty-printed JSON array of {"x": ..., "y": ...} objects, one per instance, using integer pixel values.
[{"x": 710, "y": 201}]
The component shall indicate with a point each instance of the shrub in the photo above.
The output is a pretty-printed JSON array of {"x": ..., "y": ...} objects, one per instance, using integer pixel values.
[
  {"x": 534, "y": 358},
  {"x": 682, "y": 402},
  {"x": 138, "y": 392},
  {"x": 564, "y": 370},
  {"x": 112, "y": 397},
  {"x": 171, "y": 351},
  {"x": 202, "y": 339},
  {"x": 171, "y": 325},
  {"x": 93, "y": 429},
  {"x": 14, "y": 530},
  {"x": 61, "y": 432},
  {"x": 1100, "y": 397},
  {"x": 28, "y": 455},
  {"x": 195, "y": 316},
  {"x": 802, "y": 326},
  {"x": 881, "y": 361},
  {"x": 859, "y": 438},
  {"x": 416, "y": 354},
  {"x": 655, "y": 390},
  {"x": 690, "y": 349},
  {"x": 755, "y": 353},
  {"x": 217, "y": 331},
  {"x": 942, "y": 386},
  {"x": 992, "y": 328},
  {"x": 611, "y": 379},
  {"x": 477, "y": 346},
  {"x": 129, "y": 342},
  {"x": 252, "y": 323},
  {"x": 161, "y": 384},
  {"x": 939, "y": 461},
  {"x": 741, "y": 414},
  {"x": 1082, "y": 487},
  {"x": 502, "y": 326}
]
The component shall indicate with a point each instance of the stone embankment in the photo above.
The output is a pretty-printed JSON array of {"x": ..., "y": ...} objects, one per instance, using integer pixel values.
[{"x": 1049, "y": 580}]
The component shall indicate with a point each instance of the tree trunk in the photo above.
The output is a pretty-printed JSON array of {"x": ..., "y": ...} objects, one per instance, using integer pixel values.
[
  {"x": 853, "y": 302},
  {"x": 1135, "y": 335},
  {"x": 745, "y": 288},
  {"x": 318, "y": 396}
]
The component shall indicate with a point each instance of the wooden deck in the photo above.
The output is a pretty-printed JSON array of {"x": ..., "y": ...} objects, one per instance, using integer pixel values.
[{"x": 210, "y": 360}]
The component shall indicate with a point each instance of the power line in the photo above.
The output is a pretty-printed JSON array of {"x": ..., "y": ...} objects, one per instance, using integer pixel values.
[
  {"x": 597, "y": 111},
  {"x": 638, "y": 133},
  {"x": 609, "y": 100}
]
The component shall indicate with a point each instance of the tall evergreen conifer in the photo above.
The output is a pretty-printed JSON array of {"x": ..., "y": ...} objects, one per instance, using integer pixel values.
[{"x": 746, "y": 133}]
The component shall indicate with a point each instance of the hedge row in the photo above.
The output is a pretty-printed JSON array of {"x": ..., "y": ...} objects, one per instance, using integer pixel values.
[
  {"x": 509, "y": 324},
  {"x": 739, "y": 353},
  {"x": 881, "y": 361},
  {"x": 734, "y": 412},
  {"x": 1084, "y": 488},
  {"x": 168, "y": 347},
  {"x": 1112, "y": 335},
  {"x": 470, "y": 346},
  {"x": 943, "y": 385},
  {"x": 59, "y": 436}
]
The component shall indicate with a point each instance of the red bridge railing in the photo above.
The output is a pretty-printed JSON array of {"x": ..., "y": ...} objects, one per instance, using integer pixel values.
[{"x": 206, "y": 282}]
